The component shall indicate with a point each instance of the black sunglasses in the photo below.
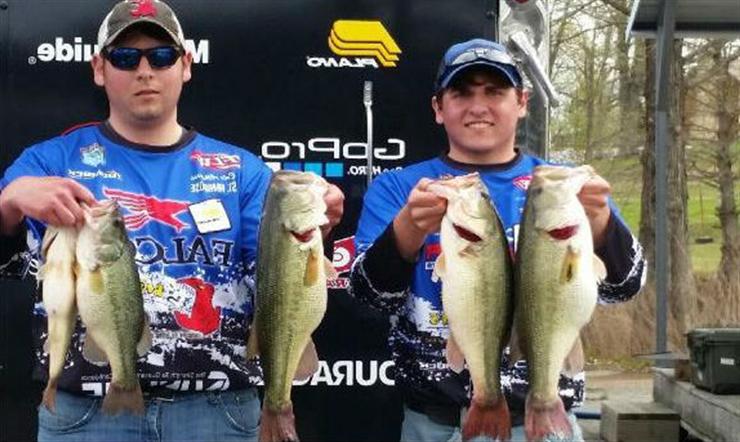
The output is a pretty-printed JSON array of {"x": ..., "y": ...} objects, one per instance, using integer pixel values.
[{"x": 128, "y": 59}]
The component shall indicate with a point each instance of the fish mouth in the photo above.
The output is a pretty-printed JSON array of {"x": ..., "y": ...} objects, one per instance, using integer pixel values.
[
  {"x": 563, "y": 233},
  {"x": 102, "y": 209},
  {"x": 466, "y": 234},
  {"x": 303, "y": 237}
]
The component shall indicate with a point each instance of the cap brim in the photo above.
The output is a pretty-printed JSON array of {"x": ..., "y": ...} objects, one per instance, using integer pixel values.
[
  {"x": 495, "y": 66},
  {"x": 114, "y": 36}
]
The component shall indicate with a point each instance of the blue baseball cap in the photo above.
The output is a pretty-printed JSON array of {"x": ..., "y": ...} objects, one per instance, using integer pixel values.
[{"x": 476, "y": 52}]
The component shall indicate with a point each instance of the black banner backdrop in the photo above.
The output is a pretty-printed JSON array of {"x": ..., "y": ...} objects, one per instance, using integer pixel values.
[{"x": 266, "y": 79}]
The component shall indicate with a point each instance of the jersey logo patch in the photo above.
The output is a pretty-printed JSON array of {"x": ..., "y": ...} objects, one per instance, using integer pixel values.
[
  {"x": 93, "y": 155},
  {"x": 143, "y": 209},
  {"x": 216, "y": 161},
  {"x": 522, "y": 182},
  {"x": 144, "y": 8}
]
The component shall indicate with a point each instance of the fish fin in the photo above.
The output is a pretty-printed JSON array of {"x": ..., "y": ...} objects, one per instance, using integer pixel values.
[
  {"x": 145, "y": 340},
  {"x": 50, "y": 395},
  {"x": 94, "y": 280},
  {"x": 455, "y": 357},
  {"x": 542, "y": 419},
  {"x": 516, "y": 347},
  {"x": 309, "y": 363},
  {"x": 440, "y": 267},
  {"x": 278, "y": 426},
  {"x": 491, "y": 420},
  {"x": 470, "y": 250},
  {"x": 41, "y": 274},
  {"x": 92, "y": 352},
  {"x": 570, "y": 265},
  {"x": 331, "y": 272},
  {"x": 599, "y": 269},
  {"x": 311, "y": 276},
  {"x": 575, "y": 361},
  {"x": 118, "y": 399},
  {"x": 253, "y": 348},
  {"x": 49, "y": 237}
]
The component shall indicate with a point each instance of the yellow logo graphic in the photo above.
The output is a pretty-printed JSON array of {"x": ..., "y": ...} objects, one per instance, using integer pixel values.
[{"x": 359, "y": 38}]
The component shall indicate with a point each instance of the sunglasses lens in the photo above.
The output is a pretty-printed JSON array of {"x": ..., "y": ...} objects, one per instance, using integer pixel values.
[
  {"x": 162, "y": 57},
  {"x": 125, "y": 58}
]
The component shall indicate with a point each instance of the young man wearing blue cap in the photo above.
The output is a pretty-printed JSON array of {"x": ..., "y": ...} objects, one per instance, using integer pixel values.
[
  {"x": 479, "y": 99},
  {"x": 191, "y": 205}
]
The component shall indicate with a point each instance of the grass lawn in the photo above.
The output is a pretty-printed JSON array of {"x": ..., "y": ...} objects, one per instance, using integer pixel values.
[{"x": 625, "y": 176}]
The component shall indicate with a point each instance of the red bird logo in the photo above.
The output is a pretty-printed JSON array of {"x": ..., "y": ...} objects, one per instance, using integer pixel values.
[
  {"x": 144, "y": 8},
  {"x": 143, "y": 209},
  {"x": 203, "y": 317}
]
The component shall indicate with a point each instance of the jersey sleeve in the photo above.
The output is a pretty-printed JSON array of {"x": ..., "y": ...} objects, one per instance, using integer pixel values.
[
  {"x": 380, "y": 277},
  {"x": 16, "y": 255},
  {"x": 39, "y": 160},
  {"x": 255, "y": 182},
  {"x": 625, "y": 264}
]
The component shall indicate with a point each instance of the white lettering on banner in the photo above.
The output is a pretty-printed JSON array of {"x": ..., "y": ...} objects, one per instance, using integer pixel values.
[
  {"x": 201, "y": 52},
  {"x": 350, "y": 373},
  {"x": 342, "y": 62},
  {"x": 279, "y": 150},
  {"x": 362, "y": 170},
  {"x": 78, "y": 51}
]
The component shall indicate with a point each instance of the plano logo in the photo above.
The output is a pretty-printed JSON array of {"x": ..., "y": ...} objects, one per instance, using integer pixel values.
[
  {"x": 216, "y": 161},
  {"x": 61, "y": 51},
  {"x": 359, "y": 44}
]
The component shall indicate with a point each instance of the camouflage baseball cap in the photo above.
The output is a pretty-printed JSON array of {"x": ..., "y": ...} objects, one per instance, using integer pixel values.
[{"x": 131, "y": 12}]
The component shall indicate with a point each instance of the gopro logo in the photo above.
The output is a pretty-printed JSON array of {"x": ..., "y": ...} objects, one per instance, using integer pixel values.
[{"x": 78, "y": 51}]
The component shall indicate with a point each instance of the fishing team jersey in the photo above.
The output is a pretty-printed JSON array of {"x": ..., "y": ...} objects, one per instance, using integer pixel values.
[
  {"x": 192, "y": 211},
  {"x": 381, "y": 278}
]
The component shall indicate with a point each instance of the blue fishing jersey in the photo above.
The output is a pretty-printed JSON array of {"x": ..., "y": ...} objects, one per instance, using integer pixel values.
[
  {"x": 192, "y": 211},
  {"x": 383, "y": 279}
]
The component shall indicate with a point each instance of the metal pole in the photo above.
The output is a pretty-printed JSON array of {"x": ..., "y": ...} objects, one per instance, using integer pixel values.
[
  {"x": 663, "y": 61},
  {"x": 367, "y": 100}
]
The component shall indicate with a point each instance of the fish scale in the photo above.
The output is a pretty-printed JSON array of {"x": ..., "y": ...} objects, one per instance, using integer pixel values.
[
  {"x": 58, "y": 282},
  {"x": 476, "y": 272},
  {"x": 556, "y": 289},
  {"x": 111, "y": 305},
  {"x": 291, "y": 293}
]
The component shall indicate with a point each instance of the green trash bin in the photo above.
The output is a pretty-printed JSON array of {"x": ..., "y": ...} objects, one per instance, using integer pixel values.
[{"x": 715, "y": 359}]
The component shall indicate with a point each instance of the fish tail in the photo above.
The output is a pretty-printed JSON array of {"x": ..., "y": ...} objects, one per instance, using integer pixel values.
[
  {"x": 545, "y": 418},
  {"x": 489, "y": 419},
  {"x": 278, "y": 426},
  {"x": 50, "y": 395},
  {"x": 119, "y": 399}
]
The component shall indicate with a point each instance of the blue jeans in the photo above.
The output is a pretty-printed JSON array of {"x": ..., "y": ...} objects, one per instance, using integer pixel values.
[
  {"x": 207, "y": 416},
  {"x": 417, "y": 427}
]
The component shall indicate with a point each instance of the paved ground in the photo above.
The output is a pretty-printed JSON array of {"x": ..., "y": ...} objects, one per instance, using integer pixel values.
[{"x": 608, "y": 385}]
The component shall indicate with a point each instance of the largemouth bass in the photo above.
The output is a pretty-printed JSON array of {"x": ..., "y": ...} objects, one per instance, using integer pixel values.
[
  {"x": 556, "y": 289},
  {"x": 476, "y": 272},
  {"x": 291, "y": 293},
  {"x": 58, "y": 290},
  {"x": 111, "y": 305}
]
